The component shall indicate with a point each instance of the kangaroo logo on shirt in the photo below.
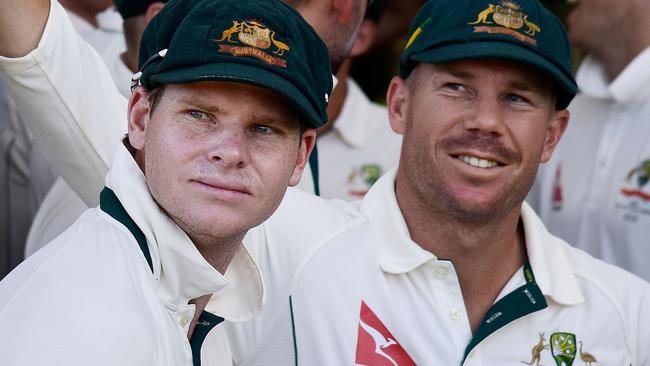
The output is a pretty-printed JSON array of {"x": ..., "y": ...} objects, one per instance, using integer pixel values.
[
  {"x": 509, "y": 19},
  {"x": 376, "y": 346}
]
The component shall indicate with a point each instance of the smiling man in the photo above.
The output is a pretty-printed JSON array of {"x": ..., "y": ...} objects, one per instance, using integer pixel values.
[
  {"x": 220, "y": 122},
  {"x": 448, "y": 265},
  {"x": 442, "y": 263}
]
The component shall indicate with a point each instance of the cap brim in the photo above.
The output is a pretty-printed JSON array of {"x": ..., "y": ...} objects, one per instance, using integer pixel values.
[
  {"x": 247, "y": 74},
  {"x": 501, "y": 50}
]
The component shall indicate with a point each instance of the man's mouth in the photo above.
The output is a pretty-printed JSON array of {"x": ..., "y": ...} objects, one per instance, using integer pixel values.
[{"x": 478, "y": 162}]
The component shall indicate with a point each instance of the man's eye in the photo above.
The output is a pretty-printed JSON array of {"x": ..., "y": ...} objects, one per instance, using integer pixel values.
[
  {"x": 514, "y": 98},
  {"x": 454, "y": 87},
  {"x": 197, "y": 114},
  {"x": 262, "y": 129}
]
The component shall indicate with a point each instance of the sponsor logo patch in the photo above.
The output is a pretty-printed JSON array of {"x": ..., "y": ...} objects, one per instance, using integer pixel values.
[{"x": 376, "y": 346}]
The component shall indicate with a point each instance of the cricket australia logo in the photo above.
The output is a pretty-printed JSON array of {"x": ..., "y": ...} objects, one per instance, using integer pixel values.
[
  {"x": 362, "y": 178},
  {"x": 564, "y": 349},
  {"x": 635, "y": 193},
  {"x": 509, "y": 20},
  {"x": 254, "y": 39}
]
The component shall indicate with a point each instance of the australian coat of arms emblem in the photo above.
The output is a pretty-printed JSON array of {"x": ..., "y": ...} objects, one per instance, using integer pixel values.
[
  {"x": 254, "y": 39},
  {"x": 509, "y": 19}
]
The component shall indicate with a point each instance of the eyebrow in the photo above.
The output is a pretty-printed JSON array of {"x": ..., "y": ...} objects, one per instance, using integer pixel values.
[
  {"x": 456, "y": 73},
  {"x": 214, "y": 109},
  {"x": 199, "y": 104}
]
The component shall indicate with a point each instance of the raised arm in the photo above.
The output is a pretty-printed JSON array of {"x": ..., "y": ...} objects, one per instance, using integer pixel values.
[
  {"x": 21, "y": 25},
  {"x": 64, "y": 92}
]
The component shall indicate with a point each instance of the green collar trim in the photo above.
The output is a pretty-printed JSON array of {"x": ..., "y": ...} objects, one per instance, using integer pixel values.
[
  {"x": 313, "y": 166},
  {"x": 293, "y": 333},
  {"x": 109, "y": 203},
  {"x": 204, "y": 325},
  {"x": 525, "y": 300}
]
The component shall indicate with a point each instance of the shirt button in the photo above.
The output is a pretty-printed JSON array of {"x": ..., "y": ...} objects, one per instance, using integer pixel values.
[
  {"x": 440, "y": 273},
  {"x": 184, "y": 322},
  {"x": 454, "y": 313}
]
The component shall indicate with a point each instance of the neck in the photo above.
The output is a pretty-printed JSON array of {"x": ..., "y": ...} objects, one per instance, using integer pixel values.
[
  {"x": 618, "y": 50},
  {"x": 474, "y": 247},
  {"x": 219, "y": 252}
]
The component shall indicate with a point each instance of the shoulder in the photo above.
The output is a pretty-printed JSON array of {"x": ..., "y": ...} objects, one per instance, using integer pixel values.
[
  {"x": 616, "y": 294},
  {"x": 70, "y": 298}
]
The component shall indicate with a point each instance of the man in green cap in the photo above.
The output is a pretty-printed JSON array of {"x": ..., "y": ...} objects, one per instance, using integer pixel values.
[
  {"x": 447, "y": 265},
  {"x": 443, "y": 263},
  {"x": 221, "y": 120}
]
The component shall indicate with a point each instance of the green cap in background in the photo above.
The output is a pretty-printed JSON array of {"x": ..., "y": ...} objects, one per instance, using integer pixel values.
[
  {"x": 260, "y": 42},
  {"x": 523, "y": 31},
  {"x": 132, "y": 8}
]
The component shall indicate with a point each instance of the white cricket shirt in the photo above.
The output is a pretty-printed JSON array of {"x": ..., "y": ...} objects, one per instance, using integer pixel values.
[
  {"x": 595, "y": 191},
  {"x": 114, "y": 288},
  {"x": 372, "y": 296},
  {"x": 360, "y": 147}
]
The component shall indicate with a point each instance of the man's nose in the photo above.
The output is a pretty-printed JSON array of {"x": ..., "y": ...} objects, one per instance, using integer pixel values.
[
  {"x": 486, "y": 116},
  {"x": 230, "y": 148}
]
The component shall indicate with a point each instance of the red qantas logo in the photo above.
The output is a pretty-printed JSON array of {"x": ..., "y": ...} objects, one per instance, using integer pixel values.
[{"x": 376, "y": 346}]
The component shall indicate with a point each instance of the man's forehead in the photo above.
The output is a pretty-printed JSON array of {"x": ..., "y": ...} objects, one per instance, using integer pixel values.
[
  {"x": 221, "y": 97},
  {"x": 506, "y": 69}
]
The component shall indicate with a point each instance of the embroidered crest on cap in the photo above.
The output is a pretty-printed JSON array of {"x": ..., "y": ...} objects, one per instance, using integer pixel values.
[
  {"x": 256, "y": 39},
  {"x": 509, "y": 19}
]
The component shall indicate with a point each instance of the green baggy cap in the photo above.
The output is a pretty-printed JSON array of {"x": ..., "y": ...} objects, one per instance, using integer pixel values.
[
  {"x": 523, "y": 31},
  {"x": 260, "y": 42}
]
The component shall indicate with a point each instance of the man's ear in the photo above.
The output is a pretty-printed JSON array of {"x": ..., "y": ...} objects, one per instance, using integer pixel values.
[
  {"x": 308, "y": 140},
  {"x": 554, "y": 132},
  {"x": 396, "y": 102},
  {"x": 153, "y": 9},
  {"x": 138, "y": 113},
  {"x": 365, "y": 38}
]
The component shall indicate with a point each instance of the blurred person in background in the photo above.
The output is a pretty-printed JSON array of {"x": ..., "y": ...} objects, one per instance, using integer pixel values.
[
  {"x": 357, "y": 145},
  {"x": 62, "y": 206},
  {"x": 595, "y": 191},
  {"x": 25, "y": 173}
]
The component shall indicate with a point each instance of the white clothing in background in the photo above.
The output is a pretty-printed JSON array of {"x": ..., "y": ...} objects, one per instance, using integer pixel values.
[{"x": 595, "y": 191}]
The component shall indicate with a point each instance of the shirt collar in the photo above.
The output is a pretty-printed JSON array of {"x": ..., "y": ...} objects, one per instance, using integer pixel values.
[
  {"x": 180, "y": 271},
  {"x": 397, "y": 253},
  {"x": 629, "y": 86},
  {"x": 351, "y": 122}
]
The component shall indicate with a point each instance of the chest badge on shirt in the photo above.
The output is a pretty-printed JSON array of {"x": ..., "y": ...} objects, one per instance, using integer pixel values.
[
  {"x": 376, "y": 346},
  {"x": 636, "y": 192},
  {"x": 564, "y": 349},
  {"x": 362, "y": 178}
]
